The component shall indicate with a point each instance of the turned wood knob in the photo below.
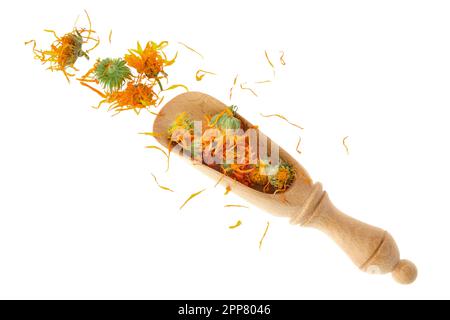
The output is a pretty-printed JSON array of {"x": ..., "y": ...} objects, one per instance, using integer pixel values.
[
  {"x": 371, "y": 249},
  {"x": 405, "y": 272}
]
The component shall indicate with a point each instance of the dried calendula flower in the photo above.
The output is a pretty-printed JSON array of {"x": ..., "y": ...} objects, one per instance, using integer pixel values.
[
  {"x": 225, "y": 141},
  {"x": 181, "y": 132},
  {"x": 283, "y": 178},
  {"x": 133, "y": 97},
  {"x": 112, "y": 73},
  {"x": 134, "y": 82},
  {"x": 150, "y": 60},
  {"x": 182, "y": 123},
  {"x": 259, "y": 176},
  {"x": 226, "y": 119},
  {"x": 65, "y": 50}
]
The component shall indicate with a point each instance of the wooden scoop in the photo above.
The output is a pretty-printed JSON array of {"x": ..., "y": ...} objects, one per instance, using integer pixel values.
[{"x": 371, "y": 249}]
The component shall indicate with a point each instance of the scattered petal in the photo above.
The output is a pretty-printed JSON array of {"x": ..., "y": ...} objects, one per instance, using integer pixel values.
[
  {"x": 268, "y": 60},
  {"x": 201, "y": 73},
  {"x": 220, "y": 180},
  {"x": 175, "y": 86},
  {"x": 282, "y": 58},
  {"x": 264, "y": 235},
  {"x": 191, "y": 197},
  {"x": 243, "y": 87},
  {"x": 162, "y": 187},
  {"x": 191, "y": 49},
  {"x": 298, "y": 145},
  {"x": 234, "y": 85},
  {"x": 235, "y": 80},
  {"x": 281, "y": 117},
  {"x": 235, "y": 206},
  {"x": 238, "y": 223},
  {"x": 151, "y": 134},
  {"x": 164, "y": 152},
  {"x": 344, "y": 142}
]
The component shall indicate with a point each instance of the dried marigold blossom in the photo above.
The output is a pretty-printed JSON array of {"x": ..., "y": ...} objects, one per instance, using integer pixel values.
[
  {"x": 220, "y": 138},
  {"x": 112, "y": 73},
  {"x": 244, "y": 87},
  {"x": 283, "y": 177},
  {"x": 65, "y": 50},
  {"x": 226, "y": 119},
  {"x": 150, "y": 60},
  {"x": 133, "y": 97},
  {"x": 182, "y": 122},
  {"x": 259, "y": 176},
  {"x": 134, "y": 82}
]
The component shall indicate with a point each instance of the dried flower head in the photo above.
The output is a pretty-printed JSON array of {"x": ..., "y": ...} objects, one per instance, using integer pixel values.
[
  {"x": 65, "y": 51},
  {"x": 149, "y": 61},
  {"x": 226, "y": 119},
  {"x": 112, "y": 73},
  {"x": 283, "y": 178},
  {"x": 259, "y": 176},
  {"x": 133, "y": 97},
  {"x": 131, "y": 83},
  {"x": 182, "y": 123}
]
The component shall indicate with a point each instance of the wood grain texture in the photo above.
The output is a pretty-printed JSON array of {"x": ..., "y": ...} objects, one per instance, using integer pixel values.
[{"x": 371, "y": 249}]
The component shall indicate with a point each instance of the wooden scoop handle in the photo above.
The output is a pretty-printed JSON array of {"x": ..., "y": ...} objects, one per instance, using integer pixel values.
[{"x": 371, "y": 249}]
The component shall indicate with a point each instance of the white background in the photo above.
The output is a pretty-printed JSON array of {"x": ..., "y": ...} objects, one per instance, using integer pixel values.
[{"x": 81, "y": 217}]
